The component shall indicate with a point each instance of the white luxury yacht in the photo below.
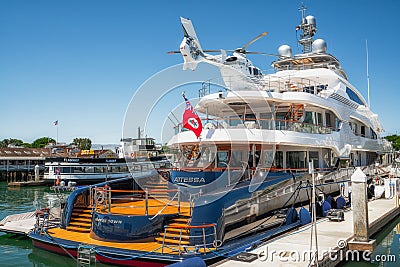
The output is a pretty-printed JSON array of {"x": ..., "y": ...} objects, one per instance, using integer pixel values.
[{"x": 306, "y": 111}]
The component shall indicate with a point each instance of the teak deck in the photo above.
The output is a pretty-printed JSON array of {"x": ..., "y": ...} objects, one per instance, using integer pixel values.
[{"x": 129, "y": 208}]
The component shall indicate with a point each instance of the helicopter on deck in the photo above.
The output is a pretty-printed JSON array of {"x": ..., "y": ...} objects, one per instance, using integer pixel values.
[{"x": 237, "y": 71}]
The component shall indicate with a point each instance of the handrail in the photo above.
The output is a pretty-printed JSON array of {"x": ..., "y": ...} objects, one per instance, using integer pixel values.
[
  {"x": 192, "y": 248},
  {"x": 137, "y": 191},
  {"x": 167, "y": 204},
  {"x": 101, "y": 197},
  {"x": 191, "y": 226}
]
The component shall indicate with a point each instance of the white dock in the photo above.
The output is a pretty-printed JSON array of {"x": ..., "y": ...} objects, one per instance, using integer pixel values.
[{"x": 293, "y": 249}]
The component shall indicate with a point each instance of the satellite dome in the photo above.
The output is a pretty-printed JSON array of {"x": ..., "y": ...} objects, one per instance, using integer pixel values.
[
  {"x": 319, "y": 46},
  {"x": 311, "y": 20},
  {"x": 284, "y": 51}
]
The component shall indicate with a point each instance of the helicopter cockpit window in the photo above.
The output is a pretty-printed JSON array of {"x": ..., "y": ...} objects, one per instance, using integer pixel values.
[
  {"x": 255, "y": 71},
  {"x": 250, "y": 70}
]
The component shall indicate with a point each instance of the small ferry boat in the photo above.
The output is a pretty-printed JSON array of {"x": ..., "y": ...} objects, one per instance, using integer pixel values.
[
  {"x": 134, "y": 155},
  {"x": 94, "y": 170},
  {"x": 251, "y": 159}
]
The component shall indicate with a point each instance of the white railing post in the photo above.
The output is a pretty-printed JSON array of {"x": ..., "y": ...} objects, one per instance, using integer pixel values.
[
  {"x": 204, "y": 240},
  {"x": 147, "y": 202},
  {"x": 179, "y": 200},
  {"x": 109, "y": 199}
]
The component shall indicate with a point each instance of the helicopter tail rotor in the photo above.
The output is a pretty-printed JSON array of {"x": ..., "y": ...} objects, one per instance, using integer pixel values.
[{"x": 190, "y": 47}]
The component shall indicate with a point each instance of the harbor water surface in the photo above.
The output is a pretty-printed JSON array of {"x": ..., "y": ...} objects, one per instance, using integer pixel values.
[{"x": 18, "y": 250}]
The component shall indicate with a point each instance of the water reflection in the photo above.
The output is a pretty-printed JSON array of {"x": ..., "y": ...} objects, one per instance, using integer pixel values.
[
  {"x": 387, "y": 252},
  {"x": 18, "y": 250}
]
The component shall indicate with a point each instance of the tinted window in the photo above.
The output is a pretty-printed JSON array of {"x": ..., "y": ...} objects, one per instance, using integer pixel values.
[{"x": 353, "y": 96}]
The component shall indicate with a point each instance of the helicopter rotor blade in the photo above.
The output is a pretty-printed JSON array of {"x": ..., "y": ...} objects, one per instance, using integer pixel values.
[
  {"x": 231, "y": 51},
  {"x": 262, "y": 53},
  {"x": 243, "y": 48}
]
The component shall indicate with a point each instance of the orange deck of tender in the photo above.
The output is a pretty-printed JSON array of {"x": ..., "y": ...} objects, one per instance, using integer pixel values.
[{"x": 79, "y": 228}]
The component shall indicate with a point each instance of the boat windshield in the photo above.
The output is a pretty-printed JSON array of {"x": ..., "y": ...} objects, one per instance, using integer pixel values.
[{"x": 195, "y": 156}]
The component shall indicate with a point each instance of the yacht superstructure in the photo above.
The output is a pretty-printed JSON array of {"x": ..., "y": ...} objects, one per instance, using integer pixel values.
[{"x": 306, "y": 111}]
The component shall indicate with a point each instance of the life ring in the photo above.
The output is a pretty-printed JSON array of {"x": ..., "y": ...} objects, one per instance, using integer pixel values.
[{"x": 132, "y": 154}]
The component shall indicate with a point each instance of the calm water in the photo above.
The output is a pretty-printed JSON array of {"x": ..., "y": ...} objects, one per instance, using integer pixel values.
[
  {"x": 387, "y": 249},
  {"x": 18, "y": 251}
]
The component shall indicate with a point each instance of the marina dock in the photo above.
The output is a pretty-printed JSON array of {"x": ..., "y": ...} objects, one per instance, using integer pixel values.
[{"x": 293, "y": 249}]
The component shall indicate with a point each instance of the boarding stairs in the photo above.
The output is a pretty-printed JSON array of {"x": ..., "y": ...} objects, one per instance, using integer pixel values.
[
  {"x": 81, "y": 220},
  {"x": 175, "y": 232},
  {"x": 158, "y": 186}
]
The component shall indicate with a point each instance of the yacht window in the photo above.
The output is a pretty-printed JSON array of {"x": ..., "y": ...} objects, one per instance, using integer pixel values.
[
  {"x": 79, "y": 170},
  {"x": 98, "y": 169},
  {"x": 319, "y": 117},
  {"x": 280, "y": 115},
  {"x": 354, "y": 128},
  {"x": 279, "y": 159},
  {"x": 114, "y": 169},
  {"x": 353, "y": 96},
  {"x": 250, "y": 117},
  {"x": 309, "y": 117},
  {"x": 65, "y": 170},
  {"x": 206, "y": 157},
  {"x": 268, "y": 158},
  {"x": 362, "y": 130},
  {"x": 251, "y": 163},
  {"x": 328, "y": 120},
  {"x": 326, "y": 158},
  {"x": 136, "y": 168},
  {"x": 266, "y": 121},
  {"x": 308, "y": 89},
  {"x": 337, "y": 124},
  {"x": 236, "y": 159},
  {"x": 89, "y": 169},
  {"x": 296, "y": 159},
  {"x": 321, "y": 87},
  {"x": 222, "y": 159},
  {"x": 373, "y": 134},
  {"x": 235, "y": 120},
  {"x": 313, "y": 156}
]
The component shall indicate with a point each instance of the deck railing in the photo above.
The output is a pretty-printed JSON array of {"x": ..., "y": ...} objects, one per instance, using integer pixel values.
[
  {"x": 264, "y": 124},
  {"x": 103, "y": 200},
  {"x": 209, "y": 241}
]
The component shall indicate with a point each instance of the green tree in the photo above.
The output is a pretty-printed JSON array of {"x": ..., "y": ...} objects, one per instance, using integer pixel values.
[
  {"x": 82, "y": 143},
  {"x": 11, "y": 141},
  {"x": 42, "y": 142},
  {"x": 395, "y": 140}
]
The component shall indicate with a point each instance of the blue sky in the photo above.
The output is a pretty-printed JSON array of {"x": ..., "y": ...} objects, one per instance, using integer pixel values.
[{"x": 80, "y": 62}]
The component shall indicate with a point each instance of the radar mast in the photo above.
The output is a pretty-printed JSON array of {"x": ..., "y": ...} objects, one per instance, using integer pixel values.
[{"x": 308, "y": 29}]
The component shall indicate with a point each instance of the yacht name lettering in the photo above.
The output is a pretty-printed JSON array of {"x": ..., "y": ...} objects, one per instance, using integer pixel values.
[
  {"x": 189, "y": 180},
  {"x": 105, "y": 220},
  {"x": 71, "y": 160}
]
